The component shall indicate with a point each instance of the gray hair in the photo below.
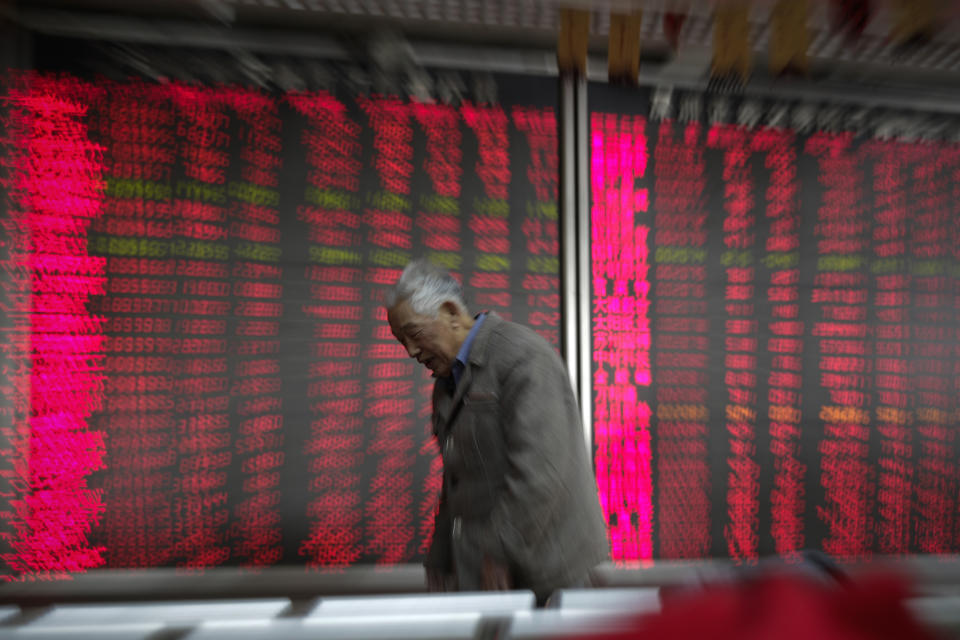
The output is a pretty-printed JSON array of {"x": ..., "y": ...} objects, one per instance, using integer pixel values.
[{"x": 425, "y": 286}]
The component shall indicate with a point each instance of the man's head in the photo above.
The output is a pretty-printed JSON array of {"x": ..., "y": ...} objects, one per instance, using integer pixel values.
[{"x": 428, "y": 316}]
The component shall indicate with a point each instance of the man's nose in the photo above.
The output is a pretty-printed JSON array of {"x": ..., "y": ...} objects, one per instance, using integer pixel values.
[{"x": 412, "y": 349}]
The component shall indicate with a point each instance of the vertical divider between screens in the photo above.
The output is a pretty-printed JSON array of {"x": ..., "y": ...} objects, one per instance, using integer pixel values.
[
  {"x": 575, "y": 242},
  {"x": 568, "y": 230},
  {"x": 584, "y": 354}
]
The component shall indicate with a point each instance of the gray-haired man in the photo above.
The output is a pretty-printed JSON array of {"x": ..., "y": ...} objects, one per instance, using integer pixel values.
[{"x": 518, "y": 507}]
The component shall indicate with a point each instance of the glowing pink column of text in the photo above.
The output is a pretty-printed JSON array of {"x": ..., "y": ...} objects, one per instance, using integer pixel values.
[{"x": 621, "y": 333}]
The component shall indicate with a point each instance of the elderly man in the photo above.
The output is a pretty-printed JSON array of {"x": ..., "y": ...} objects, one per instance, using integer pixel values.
[{"x": 518, "y": 507}]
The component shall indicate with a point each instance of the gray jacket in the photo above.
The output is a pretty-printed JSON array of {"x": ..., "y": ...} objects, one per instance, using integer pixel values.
[{"x": 518, "y": 485}]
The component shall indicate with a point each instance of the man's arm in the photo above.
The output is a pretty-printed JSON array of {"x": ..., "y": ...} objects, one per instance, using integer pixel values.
[{"x": 439, "y": 560}]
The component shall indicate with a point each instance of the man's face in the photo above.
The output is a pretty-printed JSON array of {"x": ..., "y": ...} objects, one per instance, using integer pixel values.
[{"x": 434, "y": 342}]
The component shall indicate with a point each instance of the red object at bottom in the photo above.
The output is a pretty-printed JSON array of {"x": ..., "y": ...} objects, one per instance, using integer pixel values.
[{"x": 786, "y": 608}]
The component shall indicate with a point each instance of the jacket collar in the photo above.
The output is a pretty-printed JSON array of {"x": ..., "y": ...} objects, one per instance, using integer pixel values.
[
  {"x": 479, "y": 354},
  {"x": 479, "y": 351}
]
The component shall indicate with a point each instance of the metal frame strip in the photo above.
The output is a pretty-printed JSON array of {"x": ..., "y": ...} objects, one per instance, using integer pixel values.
[
  {"x": 584, "y": 289},
  {"x": 568, "y": 229}
]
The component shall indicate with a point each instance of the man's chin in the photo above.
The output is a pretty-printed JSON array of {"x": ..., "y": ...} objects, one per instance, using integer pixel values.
[{"x": 435, "y": 373}]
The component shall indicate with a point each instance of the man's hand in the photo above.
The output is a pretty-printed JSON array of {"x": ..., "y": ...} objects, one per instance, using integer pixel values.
[
  {"x": 495, "y": 576},
  {"x": 438, "y": 581}
]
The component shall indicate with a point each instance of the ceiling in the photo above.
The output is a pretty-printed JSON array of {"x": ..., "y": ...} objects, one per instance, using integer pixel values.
[{"x": 510, "y": 24}]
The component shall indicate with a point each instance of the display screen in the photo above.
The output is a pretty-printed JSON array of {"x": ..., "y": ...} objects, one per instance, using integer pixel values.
[
  {"x": 199, "y": 371},
  {"x": 776, "y": 294}
]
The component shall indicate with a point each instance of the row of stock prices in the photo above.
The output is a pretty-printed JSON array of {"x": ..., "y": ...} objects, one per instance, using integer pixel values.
[
  {"x": 200, "y": 372},
  {"x": 775, "y": 295}
]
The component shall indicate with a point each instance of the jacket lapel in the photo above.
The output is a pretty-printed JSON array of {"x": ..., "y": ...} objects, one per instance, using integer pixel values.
[
  {"x": 461, "y": 389},
  {"x": 441, "y": 414}
]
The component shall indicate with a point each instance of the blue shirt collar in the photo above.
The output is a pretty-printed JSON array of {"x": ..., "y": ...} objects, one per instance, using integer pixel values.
[{"x": 461, "y": 362}]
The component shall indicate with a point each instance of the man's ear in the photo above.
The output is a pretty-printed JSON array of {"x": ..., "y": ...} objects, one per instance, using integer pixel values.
[{"x": 451, "y": 313}]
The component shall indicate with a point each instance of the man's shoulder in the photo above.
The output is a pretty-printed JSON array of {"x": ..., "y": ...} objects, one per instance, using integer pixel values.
[
  {"x": 508, "y": 330},
  {"x": 512, "y": 339}
]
